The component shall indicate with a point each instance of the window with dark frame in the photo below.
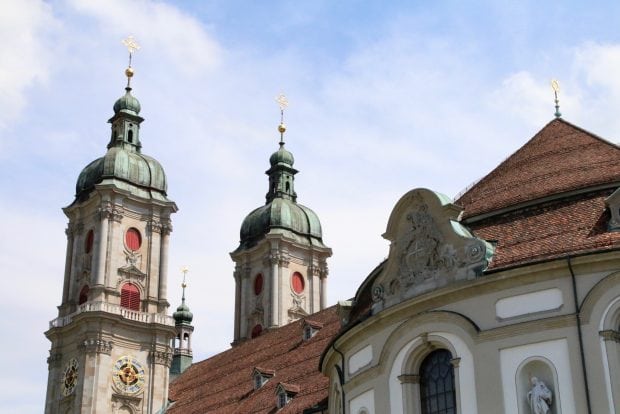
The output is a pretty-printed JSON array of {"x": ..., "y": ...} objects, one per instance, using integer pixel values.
[{"x": 437, "y": 389}]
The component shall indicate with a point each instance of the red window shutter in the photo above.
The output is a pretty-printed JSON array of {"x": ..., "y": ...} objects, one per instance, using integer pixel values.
[
  {"x": 130, "y": 297},
  {"x": 258, "y": 284},
  {"x": 298, "y": 282},
  {"x": 133, "y": 240},
  {"x": 257, "y": 330}
]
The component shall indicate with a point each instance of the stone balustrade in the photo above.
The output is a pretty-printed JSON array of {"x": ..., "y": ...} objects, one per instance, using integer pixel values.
[{"x": 116, "y": 310}]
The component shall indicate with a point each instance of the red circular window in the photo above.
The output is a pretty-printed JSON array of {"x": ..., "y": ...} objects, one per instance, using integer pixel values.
[
  {"x": 297, "y": 280},
  {"x": 90, "y": 239},
  {"x": 258, "y": 284},
  {"x": 133, "y": 240},
  {"x": 257, "y": 330}
]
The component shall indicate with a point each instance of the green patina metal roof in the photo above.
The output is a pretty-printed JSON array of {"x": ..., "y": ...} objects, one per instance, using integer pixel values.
[
  {"x": 183, "y": 316},
  {"x": 281, "y": 214},
  {"x": 123, "y": 165}
]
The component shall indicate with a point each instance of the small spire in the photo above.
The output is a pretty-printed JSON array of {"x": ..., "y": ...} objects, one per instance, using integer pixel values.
[
  {"x": 282, "y": 103},
  {"x": 555, "y": 85},
  {"x": 184, "y": 269},
  {"x": 131, "y": 46}
]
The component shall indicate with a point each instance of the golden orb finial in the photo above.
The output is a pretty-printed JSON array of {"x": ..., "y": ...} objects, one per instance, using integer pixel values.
[
  {"x": 281, "y": 128},
  {"x": 282, "y": 103},
  {"x": 131, "y": 46}
]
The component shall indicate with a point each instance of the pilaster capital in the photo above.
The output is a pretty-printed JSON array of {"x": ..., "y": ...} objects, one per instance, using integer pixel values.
[
  {"x": 96, "y": 345},
  {"x": 154, "y": 226},
  {"x": 70, "y": 230},
  {"x": 161, "y": 358},
  {"x": 109, "y": 211},
  {"x": 53, "y": 361},
  {"x": 166, "y": 227}
]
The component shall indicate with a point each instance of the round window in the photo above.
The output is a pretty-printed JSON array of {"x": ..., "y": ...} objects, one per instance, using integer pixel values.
[
  {"x": 258, "y": 284},
  {"x": 90, "y": 239},
  {"x": 133, "y": 239},
  {"x": 297, "y": 280}
]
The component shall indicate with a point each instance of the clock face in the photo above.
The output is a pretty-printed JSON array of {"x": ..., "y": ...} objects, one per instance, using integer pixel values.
[
  {"x": 69, "y": 377},
  {"x": 128, "y": 375}
]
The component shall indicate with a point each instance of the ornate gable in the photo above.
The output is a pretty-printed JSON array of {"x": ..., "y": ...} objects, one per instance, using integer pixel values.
[{"x": 429, "y": 249}]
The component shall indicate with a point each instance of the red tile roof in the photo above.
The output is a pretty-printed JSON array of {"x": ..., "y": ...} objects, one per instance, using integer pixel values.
[
  {"x": 573, "y": 225},
  {"x": 224, "y": 383},
  {"x": 559, "y": 158}
]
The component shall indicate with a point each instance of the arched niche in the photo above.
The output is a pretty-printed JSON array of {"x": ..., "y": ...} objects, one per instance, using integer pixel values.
[{"x": 544, "y": 371}]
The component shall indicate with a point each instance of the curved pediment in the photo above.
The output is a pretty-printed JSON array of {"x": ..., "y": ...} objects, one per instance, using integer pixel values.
[{"x": 429, "y": 249}]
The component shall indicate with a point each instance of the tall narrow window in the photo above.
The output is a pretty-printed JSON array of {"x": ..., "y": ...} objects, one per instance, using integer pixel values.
[
  {"x": 83, "y": 295},
  {"x": 437, "y": 391},
  {"x": 90, "y": 239},
  {"x": 130, "y": 297}
]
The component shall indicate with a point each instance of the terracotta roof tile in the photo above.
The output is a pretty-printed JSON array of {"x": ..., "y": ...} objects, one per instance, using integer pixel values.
[
  {"x": 559, "y": 158},
  {"x": 223, "y": 383}
]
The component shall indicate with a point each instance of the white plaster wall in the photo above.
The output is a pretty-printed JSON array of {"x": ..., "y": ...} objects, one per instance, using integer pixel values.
[
  {"x": 542, "y": 300},
  {"x": 396, "y": 389},
  {"x": 365, "y": 400},
  {"x": 360, "y": 359},
  {"x": 555, "y": 351}
]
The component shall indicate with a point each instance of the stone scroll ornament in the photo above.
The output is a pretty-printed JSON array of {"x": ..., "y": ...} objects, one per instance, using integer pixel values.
[
  {"x": 429, "y": 249},
  {"x": 539, "y": 397}
]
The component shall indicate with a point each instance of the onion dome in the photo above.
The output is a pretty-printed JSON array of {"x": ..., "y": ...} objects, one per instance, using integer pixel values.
[
  {"x": 281, "y": 213},
  {"x": 127, "y": 103},
  {"x": 183, "y": 316},
  {"x": 124, "y": 166}
]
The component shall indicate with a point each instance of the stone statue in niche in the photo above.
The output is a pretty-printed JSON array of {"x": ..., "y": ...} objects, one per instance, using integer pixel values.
[{"x": 539, "y": 397}]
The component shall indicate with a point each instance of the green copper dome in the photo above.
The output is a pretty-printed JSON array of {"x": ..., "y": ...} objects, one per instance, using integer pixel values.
[
  {"x": 123, "y": 165},
  {"x": 138, "y": 173},
  {"x": 281, "y": 156},
  {"x": 282, "y": 216},
  {"x": 281, "y": 213},
  {"x": 127, "y": 103},
  {"x": 183, "y": 316}
]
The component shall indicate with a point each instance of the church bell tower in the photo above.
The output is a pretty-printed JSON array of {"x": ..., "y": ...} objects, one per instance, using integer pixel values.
[
  {"x": 111, "y": 342},
  {"x": 281, "y": 262}
]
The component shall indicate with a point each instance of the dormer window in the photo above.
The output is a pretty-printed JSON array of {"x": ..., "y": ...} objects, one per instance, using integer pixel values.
[
  {"x": 285, "y": 393},
  {"x": 261, "y": 376},
  {"x": 613, "y": 203},
  {"x": 310, "y": 328}
]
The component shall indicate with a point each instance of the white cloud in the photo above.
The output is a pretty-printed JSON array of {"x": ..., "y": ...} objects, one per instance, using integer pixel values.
[{"x": 26, "y": 31}]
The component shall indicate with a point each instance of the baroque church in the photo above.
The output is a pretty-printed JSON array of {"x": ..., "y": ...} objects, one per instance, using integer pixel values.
[{"x": 505, "y": 299}]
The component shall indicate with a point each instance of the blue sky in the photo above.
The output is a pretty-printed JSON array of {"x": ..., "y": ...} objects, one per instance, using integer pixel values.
[{"x": 384, "y": 97}]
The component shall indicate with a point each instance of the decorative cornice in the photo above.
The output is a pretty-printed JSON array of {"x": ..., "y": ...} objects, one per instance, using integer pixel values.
[{"x": 96, "y": 345}]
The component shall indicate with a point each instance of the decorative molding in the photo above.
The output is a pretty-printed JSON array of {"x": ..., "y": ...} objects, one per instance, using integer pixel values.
[
  {"x": 70, "y": 230},
  {"x": 154, "y": 226},
  {"x": 133, "y": 402},
  {"x": 409, "y": 379},
  {"x": 161, "y": 358},
  {"x": 610, "y": 335},
  {"x": 79, "y": 228},
  {"x": 455, "y": 362},
  {"x": 109, "y": 211},
  {"x": 133, "y": 259},
  {"x": 54, "y": 360},
  {"x": 96, "y": 345}
]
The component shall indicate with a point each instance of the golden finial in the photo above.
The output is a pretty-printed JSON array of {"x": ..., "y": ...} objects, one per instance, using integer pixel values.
[
  {"x": 131, "y": 45},
  {"x": 555, "y": 85},
  {"x": 282, "y": 103},
  {"x": 184, "y": 270}
]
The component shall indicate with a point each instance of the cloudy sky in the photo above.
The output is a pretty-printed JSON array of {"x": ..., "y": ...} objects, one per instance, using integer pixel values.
[{"x": 385, "y": 96}]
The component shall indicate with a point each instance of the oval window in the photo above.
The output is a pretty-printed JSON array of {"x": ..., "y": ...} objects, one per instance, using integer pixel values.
[
  {"x": 133, "y": 239},
  {"x": 257, "y": 330},
  {"x": 297, "y": 280},
  {"x": 90, "y": 239},
  {"x": 258, "y": 284}
]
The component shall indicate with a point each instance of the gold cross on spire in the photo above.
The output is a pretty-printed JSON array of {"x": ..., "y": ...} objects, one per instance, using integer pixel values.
[
  {"x": 184, "y": 270},
  {"x": 132, "y": 46},
  {"x": 282, "y": 103}
]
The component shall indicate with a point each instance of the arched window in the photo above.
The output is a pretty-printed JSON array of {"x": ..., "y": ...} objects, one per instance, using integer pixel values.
[
  {"x": 130, "y": 297},
  {"x": 258, "y": 284},
  {"x": 297, "y": 282},
  {"x": 437, "y": 390},
  {"x": 133, "y": 239},
  {"x": 83, "y": 295}
]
